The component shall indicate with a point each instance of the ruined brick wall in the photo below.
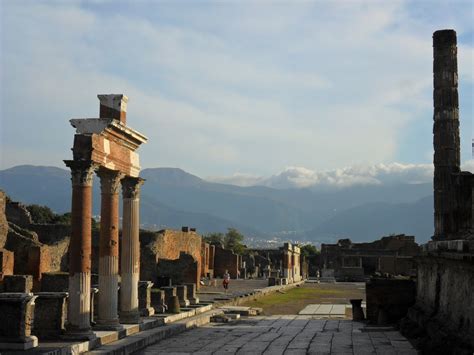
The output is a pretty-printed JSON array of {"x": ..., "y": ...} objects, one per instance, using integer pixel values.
[
  {"x": 167, "y": 245},
  {"x": 225, "y": 260},
  {"x": 182, "y": 270},
  {"x": 3, "y": 220},
  {"x": 205, "y": 258}
]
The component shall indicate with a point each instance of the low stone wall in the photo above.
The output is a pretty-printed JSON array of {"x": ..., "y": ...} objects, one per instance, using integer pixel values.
[
  {"x": 388, "y": 300},
  {"x": 443, "y": 318}
]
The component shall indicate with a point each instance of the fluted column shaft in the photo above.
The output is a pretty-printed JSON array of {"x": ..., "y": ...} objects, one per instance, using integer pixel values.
[
  {"x": 445, "y": 133},
  {"x": 109, "y": 249},
  {"x": 80, "y": 248},
  {"x": 130, "y": 258}
]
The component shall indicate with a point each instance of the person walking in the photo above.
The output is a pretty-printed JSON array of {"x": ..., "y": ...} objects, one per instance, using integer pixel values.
[{"x": 226, "y": 281}]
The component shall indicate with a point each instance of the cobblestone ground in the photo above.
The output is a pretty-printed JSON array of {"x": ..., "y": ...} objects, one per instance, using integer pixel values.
[{"x": 284, "y": 335}]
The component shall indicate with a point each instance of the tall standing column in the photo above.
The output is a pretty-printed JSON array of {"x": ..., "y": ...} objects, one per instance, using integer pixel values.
[
  {"x": 130, "y": 258},
  {"x": 109, "y": 250},
  {"x": 80, "y": 247},
  {"x": 446, "y": 132}
]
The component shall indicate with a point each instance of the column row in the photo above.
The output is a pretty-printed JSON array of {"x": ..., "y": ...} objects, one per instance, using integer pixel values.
[{"x": 80, "y": 250}]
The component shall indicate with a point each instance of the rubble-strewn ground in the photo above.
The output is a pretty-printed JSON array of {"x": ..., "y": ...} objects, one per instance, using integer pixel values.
[
  {"x": 294, "y": 300},
  {"x": 285, "y": 334}
]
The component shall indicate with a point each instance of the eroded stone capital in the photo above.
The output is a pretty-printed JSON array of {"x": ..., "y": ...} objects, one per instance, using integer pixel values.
[
  {"x": 131, "y": 187},
  {"x": 82, "y": 172},
  {"x": 109, "y": 180}
]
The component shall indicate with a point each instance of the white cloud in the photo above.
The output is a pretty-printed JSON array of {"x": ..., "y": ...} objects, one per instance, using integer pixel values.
[{"x": 224, "y": 88}]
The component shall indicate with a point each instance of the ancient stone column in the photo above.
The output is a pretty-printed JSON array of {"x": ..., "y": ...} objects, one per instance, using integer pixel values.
[
  {"x": 130, "y": 258},
  {"x": 109, "y": 250},
  {"x": 446, "y": 132},
  {"x": 80, "y": 250}
]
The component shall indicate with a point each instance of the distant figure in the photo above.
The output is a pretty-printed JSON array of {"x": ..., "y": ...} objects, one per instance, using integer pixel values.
[{"x": 226, "y": 281}]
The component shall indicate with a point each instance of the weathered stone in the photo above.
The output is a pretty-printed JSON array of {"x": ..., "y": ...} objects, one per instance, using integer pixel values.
[
  {"x": 17, "y": 310},
  {"x": 389, "y": 299},
  {"x": 173, "y": 305},
  {"x": 178, "y": 255},
  {"x": 18, "y": 283},
  {"x": 191, "y": 293},
  {"x": 169, "y": 293},
  {"x": 50, "y": 314},
  {"x": 6, "y": 263},
  {"x": 158, "y": 300},
  {"x": 182, "y": 293},
  {"x": 55, "y": 282},
  {"x": 144, "y": 298}
]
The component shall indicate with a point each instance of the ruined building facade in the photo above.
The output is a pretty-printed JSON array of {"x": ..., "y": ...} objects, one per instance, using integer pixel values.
[{"x": 349, "y": 261}]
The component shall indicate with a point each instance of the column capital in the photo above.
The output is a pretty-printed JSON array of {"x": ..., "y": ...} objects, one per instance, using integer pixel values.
[
  {"x": 82, "y": 172},
  {"x": 131, "y": 187},
  {"x": 109, "y": 180}
]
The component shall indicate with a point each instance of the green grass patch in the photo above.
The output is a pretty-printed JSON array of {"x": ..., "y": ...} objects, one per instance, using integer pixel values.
[{"x": 295, "y": 294}]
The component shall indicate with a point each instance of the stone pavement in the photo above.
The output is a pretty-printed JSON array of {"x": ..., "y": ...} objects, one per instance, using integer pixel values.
[
  {"x": 289, "y": 334},
  {"x": 325, "y": 310}
]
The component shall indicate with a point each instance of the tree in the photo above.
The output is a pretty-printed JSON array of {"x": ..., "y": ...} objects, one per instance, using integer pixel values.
[
  {"x": 41, "y": 214},
  {"x": 214, "y": 238},
  {"x": 233, "y": 241},
  {"x": 309, "y": 250}
]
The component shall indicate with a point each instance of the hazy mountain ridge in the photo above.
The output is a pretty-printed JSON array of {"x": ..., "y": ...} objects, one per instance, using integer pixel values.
[{"x": 172, "y": 197}]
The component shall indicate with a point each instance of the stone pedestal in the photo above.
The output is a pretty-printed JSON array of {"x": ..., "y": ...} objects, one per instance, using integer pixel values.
[
  {"x": 173, "y": 305},
  {"x": 158, "y": 300},
  {"x": 109, "y": 251},
  {"x": 54, "y": 282},
  {"x": 79, "y": 307},
  {"x": 169, "y": 293},
  {"x": 17, "y": 313},
  {"x": 357, "y": 311},
  {"x": 18, "y": 283},
  {"x": 130, "y": 257},
  {"x": 182, "y": 293},
  {"x": 50, "y": 314},
  {"x": 144, "y": 298},
  {"x": 191, "y": 293}
]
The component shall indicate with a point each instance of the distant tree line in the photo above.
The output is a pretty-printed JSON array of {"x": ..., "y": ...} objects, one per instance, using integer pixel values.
[{"x": 232, "y": 240}]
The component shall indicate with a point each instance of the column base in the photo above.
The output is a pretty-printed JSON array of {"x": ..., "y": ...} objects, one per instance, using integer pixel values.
[
  {"x": 130, "y": 317},
  {"x": 108, "y": 325},
  {"x": 78, "y": 334},
  {"x": 28, "y": 343},
  {"x": 147, "y": 312}
]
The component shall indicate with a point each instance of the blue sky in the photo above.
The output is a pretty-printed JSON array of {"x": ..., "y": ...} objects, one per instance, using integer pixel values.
[{"x": 247, "y": 87}]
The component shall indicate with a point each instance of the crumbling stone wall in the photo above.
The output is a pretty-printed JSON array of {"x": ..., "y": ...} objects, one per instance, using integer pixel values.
[
  {"x": 354, "y": 261},
  {"x": 182, "y": 270},
  {"x": 18, "y": 214},
  {"x": 167, "y": 245},
  {"x": 225, "y": 260}
]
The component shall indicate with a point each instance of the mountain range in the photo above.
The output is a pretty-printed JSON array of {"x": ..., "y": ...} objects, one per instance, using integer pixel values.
[{"x": 172, "y": 198}]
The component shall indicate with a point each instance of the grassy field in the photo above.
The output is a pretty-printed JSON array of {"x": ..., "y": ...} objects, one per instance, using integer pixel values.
[{"x": 295, "y": 299}]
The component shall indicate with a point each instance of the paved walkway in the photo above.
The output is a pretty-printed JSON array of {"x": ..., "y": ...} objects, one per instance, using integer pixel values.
[
  {"x": 288, "y": 334},
  {"x": 328, "y": 310}
]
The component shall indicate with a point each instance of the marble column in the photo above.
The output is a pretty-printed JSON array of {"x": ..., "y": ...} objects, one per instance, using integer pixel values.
[
  {"x": 130, "y": 258},
  {"x": 109, "y": 250},
  {"x": 80, "y": 247}
]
